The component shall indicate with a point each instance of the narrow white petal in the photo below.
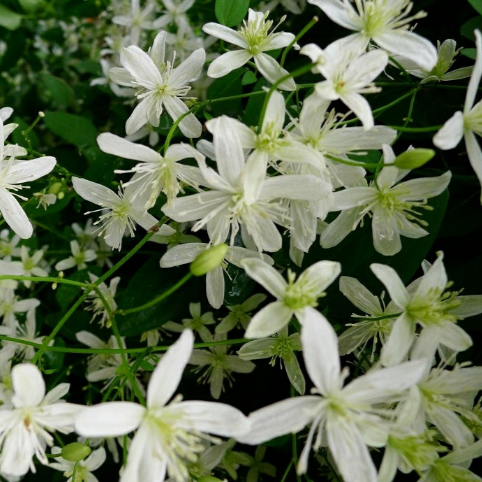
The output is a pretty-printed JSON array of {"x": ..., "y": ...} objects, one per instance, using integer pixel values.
[
  {"x": 118, "y": 146},
  {"x": 95, "y": 193},
  {"x": 26, "y": 171},
  {"x": 269, "y": 320},
  {"x": 476, "y": 74},
  {"x": 215, "y": 418},
  {"x": 399, "y": 341},
  {"x": 14, "y": 215},
  {"x": 272, "y": 71},
  {"x": 338, "y": 12},
  {"x": 215, "y": 287},
  {"x": 474, "y": 153},
  {"x": 451, "y": 133},
  {"x": 189, "y": 69},
  {"x": 109, "y": 419},
  {"x": 227, "y": 63},
  {"x": 360, "y": 107},
  {"x": 141, "y": 67},
  {"x": 389, "y": 277},
  {"x": 182, "y": 254},
  {"x": 167, "y": 375},
  {"x": 189, "y": 125},
  {"x": 360, "y": 296},
  {"x": 266, "y": 276},
  {"x": 323, "y": 365},
  {"x": 140, "y": 115},
  {"x": 28, "y": 385},
  {"x": 225, "y": 33},
  {"x": 287, "y": 416}
]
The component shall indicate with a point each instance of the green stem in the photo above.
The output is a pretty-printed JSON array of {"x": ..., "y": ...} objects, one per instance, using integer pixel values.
[
  {"x": 306, "y": 29},
  {"x": 161, "y": 297},
  {"x": 416, "y": 129},
  {"x": 45, "y": 280},
  {"x": 365, "y": 165},
  {"x": 408, "y": 118},
  {"x": 89, "y": 288}
]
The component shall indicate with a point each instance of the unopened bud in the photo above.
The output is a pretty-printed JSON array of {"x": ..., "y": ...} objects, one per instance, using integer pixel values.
[
  {"x": 209, "y": 259},
  {"x": 55, "y": 188},
  {"x": 75, "y": 452},
  {"x": 413, "y": 158}
]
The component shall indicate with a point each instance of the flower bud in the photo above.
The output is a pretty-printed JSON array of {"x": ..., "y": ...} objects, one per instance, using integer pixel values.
[
  {"x": 75, "y": 452},
  {"x": 55, "y": 188},
  {"x": 209, "y": 478},
  {"x": 413, "y": 158},
  {"x": 209, "y": 259}
]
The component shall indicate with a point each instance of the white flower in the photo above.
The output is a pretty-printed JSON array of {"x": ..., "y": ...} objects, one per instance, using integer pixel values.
[
  {"x": 241, "y": 197},
  {"x": 383, "y": 22},
  {"x": 394, "y": 206},
  {"x": 136, "y": 20},
  {"x": 348, "y": 74},
  {"x": 12, "y": 174},
  {"x": 159, "y": 85},
  {"x": 79, "y": 258},
  {"x": 175, "y": 13},
  {"x": 254, "y": 38},
  {"x": 155, "y": 173},
  {"x": 124, "y": 210},
  {"x": 428, "y": 305},
  {"x": 167, "y": 434},
  {"x": 30, "y": 264},
  {"x": 81, "y": 469},
  {"x": 96, "y": 305},
  {"x": 346, "y": 419},
  {"x": 469, "y": 122},
  {"x": 218, "y": 366},
  {"x": 24, "y": 429},
  {"x": 294, "y": 297}
]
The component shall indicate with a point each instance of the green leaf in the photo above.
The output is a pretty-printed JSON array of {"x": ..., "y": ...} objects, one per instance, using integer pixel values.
[
  {"x": 249, "y": 78},
  {"x": 231, "y": 12},
  {"x": 149, "y": 282},
  {"x": 8, "y": 19},
  {"x": 470, "y": 53},
  {"x": 467, "y": 29},
  {"x": 31, "y": 6},
  {"x": 73, "y": 128},
  {"x": 101, "y": 166},
  {"x": 477, "y": 4},
  {"x": 227, "y": 86},
  {"x": 56, "y": 89},
  {"x": 66, "y": 294}
]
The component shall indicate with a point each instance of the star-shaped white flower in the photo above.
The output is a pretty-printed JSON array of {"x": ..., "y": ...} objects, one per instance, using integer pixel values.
[
  {"x": 383, "y": 21},
  {"x": 167, "y": 434},
  {"x": 159, "y": 85},
  {"x": 346, "y": 419},
  {"x": 254, "y": 38},
  {"x": 24, "y": 429}
]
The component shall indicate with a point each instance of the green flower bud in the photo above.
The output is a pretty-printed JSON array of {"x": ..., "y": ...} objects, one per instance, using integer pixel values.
[
  {"x": 413, "y": 158},
  {"x": 208, "y": 260},
  {"x": 55, "y": 188},
  {"x": 75, "y": 452}
]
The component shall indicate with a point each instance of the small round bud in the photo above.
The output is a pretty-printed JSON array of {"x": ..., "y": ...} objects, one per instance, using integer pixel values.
[
  {"x": 413, "y": 158},
  {"x": 55, "y": 188},
  {"x": 208, "y": 260},
  {"x": 75, "y": 452},
  {"x": 41, "y": 114}
]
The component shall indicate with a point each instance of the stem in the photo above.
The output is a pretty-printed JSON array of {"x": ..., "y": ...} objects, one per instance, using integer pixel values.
[
  {"x": 367, "y": 165},
  {"x": 409, "y": 114},
  {"x": 306, "y": 28},
  {"x": 89, "y": 288},
  {"x": 45, "y": 280},
  {"x": 161, "y": 297}
]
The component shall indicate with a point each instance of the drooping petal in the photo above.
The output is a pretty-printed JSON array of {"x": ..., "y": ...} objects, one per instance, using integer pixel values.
[
  {"x": 118, "y": 146},
  {"x": 474, "y": 153},
  {"x": 399, "y": 341},
  {"x": 360, "y": 107},
  {"x": 476, "y": 74},
  {"x": 272, "y": 71},
  {"x": 389, "y": 277},
  {"x": 215, "y": 287},
  {"x": 14, "y": 215},
  {"x": 141, "y": 114},
  {"x": 189, "y": 125}
]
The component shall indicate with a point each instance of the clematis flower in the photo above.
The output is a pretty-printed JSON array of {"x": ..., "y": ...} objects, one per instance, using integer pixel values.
[
  {"x": 124, "y": 210},
  {"x": 346, "y": 419},
  {"x": 13, "y": 174},
  {"x": 254, "y": 38},
  {"x": 167, "y": 434},
  {"x": 348, "y": 74},
  {"x": 469, "y": 122},
  {"x": 383, "y": 21},
  {"x": 24, "y": 428},
  {"x": 430, "y": 306},
  {"x": 293, "y": 298},
  {"x": 80, "y": 471},
  {"x": 159, "y": 85}
]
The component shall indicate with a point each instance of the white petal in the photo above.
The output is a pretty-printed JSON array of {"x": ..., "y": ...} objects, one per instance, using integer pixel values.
[
  {"x": 338, "y": 12},
  {"x": 360, "y": 296},
  {"x": 272, "y": 71},
  {"x": 140, "y": 115},
  {"x": 95, "y": 193},
  {"x": 399, "y": 341},
  {"x": 167, "y": 375},
  {"x": 287, "y": 416},
  {"x": 386, "y": 237},
  {"x": 182, "y": 254},
  {"x": 475, "y": 154},
  {"x": 227, "y": 63},
  {"x": 451, "y": 133},
  {"x": 215, "y": 418},
  {"x": 389, "y": 277},
  {"x": 26, "y": 171},
  {"x": 476, "y": 74},
  {"x": 14, "y": 215},
  {"x": 225, "y": 33},
  {"x": 296, "y": 186},
  {"x": 319, "y": 276},
  {"x": 269, "y": 320},
  {"x": 189, "y": 125},
  {"x": 28, "y": 385},
  {"x": 189, "y": 69},
  {"x": 118, "y": 146},
  {"x": 455, "y": 337},
  {"x": 266, "y": 276},
  {"x": 141, "y": 67},
  {"x": 109, "y": 419},
  {"x": 320, "y": 351},
  {"x": 215, "y": 287},
  {"x": 360, "y": 107}
]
